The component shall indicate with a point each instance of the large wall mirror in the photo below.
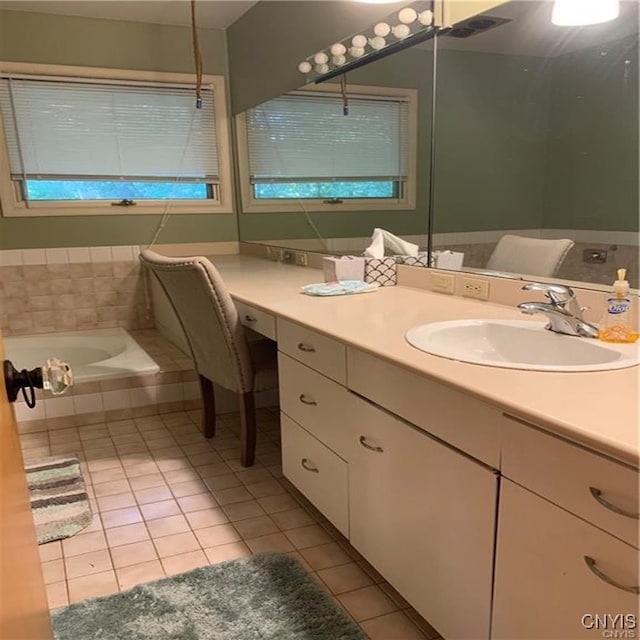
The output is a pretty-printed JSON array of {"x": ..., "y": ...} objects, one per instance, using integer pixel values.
[{"x": 535, "y": 142}]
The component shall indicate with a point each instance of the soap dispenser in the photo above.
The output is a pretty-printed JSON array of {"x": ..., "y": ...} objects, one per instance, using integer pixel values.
[{"x": 616, "y": 324}]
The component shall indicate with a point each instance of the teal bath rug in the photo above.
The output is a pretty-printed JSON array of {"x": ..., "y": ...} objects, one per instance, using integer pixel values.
[{"x": 263, "y": 597}]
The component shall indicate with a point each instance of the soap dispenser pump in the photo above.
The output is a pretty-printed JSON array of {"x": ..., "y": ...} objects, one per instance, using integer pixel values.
[{"x": 616, "y": 325}]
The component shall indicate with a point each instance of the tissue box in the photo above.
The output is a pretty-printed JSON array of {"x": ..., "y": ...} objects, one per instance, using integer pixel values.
[
  {"x": 421, "y": 260},
  {"x": 381, "y": 270},
  {"x": 447, "y": 260},
  {"x": 344, "y": 268}
]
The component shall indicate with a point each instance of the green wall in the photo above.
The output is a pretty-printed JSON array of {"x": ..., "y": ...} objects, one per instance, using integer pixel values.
[
  {"x": 266, "y": 44},
  {"x": 491, "y": 129},
  {"x": 268, "y": 41},
  {"x": 410, "y": 69},
  {"x": 592, "y": 156},
  {"x": 55, "y": 39}
]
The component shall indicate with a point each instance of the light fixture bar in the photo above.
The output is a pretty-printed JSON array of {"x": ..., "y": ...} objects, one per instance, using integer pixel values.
[{"x": 399, "y": 30}]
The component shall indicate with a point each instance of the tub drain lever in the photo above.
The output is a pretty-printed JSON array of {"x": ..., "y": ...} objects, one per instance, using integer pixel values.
[{"x": 55, "y": 376}]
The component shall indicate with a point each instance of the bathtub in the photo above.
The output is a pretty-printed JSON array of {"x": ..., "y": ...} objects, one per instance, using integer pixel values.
[{"x": 96, "y": 354}]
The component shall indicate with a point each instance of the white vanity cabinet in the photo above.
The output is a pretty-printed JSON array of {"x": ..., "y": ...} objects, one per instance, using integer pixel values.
[
  {"x": 423, "y": 515},
  {"x": 545, "y": 588},
  {"x": 567, "y": 539},
  {"x": 316, "y": 418}
]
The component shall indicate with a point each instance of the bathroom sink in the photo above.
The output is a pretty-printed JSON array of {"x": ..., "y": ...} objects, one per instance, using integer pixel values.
[{"x": 514, "y": 344}]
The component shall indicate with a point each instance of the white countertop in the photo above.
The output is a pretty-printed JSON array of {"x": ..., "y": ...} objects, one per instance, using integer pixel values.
[{"x": 597, "y": 409}]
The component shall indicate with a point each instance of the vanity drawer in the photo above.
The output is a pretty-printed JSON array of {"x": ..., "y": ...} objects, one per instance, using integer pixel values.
[
  {"x": 317, "y": 472},
  {"x": 584, "y": 483},
  {"x": 313, "y": 349},
  {"x": 460, "y": 420},
  {"x": 260, "y": 321},
  {"x": 321, "y": 406}
]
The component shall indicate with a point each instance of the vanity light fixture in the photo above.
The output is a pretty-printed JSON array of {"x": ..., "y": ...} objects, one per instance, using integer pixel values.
[
  {"x": 577, "y": 13},
  {"x": 401, "y": 29}
]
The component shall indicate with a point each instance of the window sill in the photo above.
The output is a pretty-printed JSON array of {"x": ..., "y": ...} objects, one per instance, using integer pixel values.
[
  {"x": 37, "y": 210},
  {"x": 314, "y": 206}
]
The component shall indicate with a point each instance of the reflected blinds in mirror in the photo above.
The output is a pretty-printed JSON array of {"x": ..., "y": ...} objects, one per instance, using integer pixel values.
[{"x": 304, "y": 137}]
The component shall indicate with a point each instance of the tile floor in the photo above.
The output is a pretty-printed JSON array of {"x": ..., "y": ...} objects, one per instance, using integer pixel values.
[{"x": 166, "y": 500}]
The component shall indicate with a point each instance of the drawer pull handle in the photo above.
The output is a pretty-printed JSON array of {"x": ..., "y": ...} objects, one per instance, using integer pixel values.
[
  {"x": 250, "y": 319},
  {"x": 597, "y": 494},
  {"x": 372, "y": 447},
  {"x": 591, "y": 563},
  {"x": 308, "y": 466},
  {"x": 306, "y": 347},
  {"x": 307, "y": 400}
]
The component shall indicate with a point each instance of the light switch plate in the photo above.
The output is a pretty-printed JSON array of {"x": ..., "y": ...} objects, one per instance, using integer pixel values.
[{"x": 442, "y": 283}]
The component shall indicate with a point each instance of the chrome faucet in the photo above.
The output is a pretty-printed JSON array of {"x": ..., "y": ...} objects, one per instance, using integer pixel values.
[{"x": 563, "y": 310}]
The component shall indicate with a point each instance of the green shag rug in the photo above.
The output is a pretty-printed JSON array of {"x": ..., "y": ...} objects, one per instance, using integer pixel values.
[{"x": 264, "y": 597}]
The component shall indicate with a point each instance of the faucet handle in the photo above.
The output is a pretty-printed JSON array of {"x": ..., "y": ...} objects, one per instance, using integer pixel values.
[{"x": 559, "y": 294}]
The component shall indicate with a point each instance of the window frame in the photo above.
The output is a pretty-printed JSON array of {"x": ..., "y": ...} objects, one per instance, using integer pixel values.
[
  {"x": 13, "y": 204},
  {"x": 407, "y": 199}
]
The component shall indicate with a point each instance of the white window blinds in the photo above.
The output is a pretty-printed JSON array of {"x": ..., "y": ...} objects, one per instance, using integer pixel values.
[
  {"x": 65, "y": 129},
  {"x": 307, "y": 137}
]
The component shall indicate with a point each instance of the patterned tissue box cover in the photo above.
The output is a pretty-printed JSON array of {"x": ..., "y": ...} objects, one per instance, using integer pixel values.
[
  {"x": 421, "y": 260},
  {"x": 381, "y": 270}
]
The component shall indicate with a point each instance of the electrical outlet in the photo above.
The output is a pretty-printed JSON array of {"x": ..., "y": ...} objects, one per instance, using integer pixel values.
[
  {"x": 475, "y": 288},
  {"x": 275, "y": 253},
  {"x": 301, "y": 259},
  {"x": 442, "y": 283}
]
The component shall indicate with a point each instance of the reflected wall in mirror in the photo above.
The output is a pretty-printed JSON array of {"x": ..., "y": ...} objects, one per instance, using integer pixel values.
[{"x": 537, "y": 137}]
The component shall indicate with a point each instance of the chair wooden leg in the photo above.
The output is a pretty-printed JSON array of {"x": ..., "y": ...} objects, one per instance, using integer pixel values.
[
  {"x": 247, "y": 429},
  {"x": 208, "y": 407}
]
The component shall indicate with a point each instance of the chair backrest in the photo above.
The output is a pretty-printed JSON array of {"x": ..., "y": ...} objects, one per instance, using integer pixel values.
[
  {"x": 208, "y": 317},
  {"x": 529, "y": 256}
]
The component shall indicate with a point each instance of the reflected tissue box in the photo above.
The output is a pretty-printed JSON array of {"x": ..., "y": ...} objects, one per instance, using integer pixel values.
[
  {"x": 381, "y": 270},
  {"x": 447, "y": 260},
  {"x": 344, "y": 268}
]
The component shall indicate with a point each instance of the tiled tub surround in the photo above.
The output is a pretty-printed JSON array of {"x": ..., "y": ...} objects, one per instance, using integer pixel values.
[
  {"x": 47, "y": 290},
  {"x": 173, "y": 388}
]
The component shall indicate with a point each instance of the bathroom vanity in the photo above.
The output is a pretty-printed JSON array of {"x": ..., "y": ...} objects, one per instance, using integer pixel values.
[{"x": 501, "y": 504}]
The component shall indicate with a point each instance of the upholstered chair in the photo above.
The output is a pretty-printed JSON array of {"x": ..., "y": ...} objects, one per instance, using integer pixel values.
[
  {"x": 529, "y": 256},
  {"x": 219, "y": 344}
]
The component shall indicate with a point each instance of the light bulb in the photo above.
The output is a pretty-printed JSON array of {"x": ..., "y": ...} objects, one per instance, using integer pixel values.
[
  {"x": 356, "y": 52},
  {"x": 338, "y": 60},
  {"x": 426, "y": 17},
  {"x": 321, "y": 58},
  {"x": 377, "y": 43},
  {"x": 359, "y": 41},
  {"x": 577, "y": 13},
  {"x": 322, "y": 68},
  {"x": 338, "y": 49},
  {"x": 401, "y": 31},
  {"x": 382, "y": 29},
  {"x": 304, "y": 67},
  {"x": 407, "y": 15}
]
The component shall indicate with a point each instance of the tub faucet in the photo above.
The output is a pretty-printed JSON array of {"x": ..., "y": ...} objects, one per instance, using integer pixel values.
[{"x": 563, "y": 310}]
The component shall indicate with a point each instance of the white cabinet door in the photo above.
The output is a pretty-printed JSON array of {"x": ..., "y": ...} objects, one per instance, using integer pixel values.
[
  {"x": 544, "y": 585},
  {"x": 424, "y": 516}
]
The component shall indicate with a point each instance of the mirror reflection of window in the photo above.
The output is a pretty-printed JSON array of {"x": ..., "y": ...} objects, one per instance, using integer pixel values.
[{"x": 319, "y": 150}]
